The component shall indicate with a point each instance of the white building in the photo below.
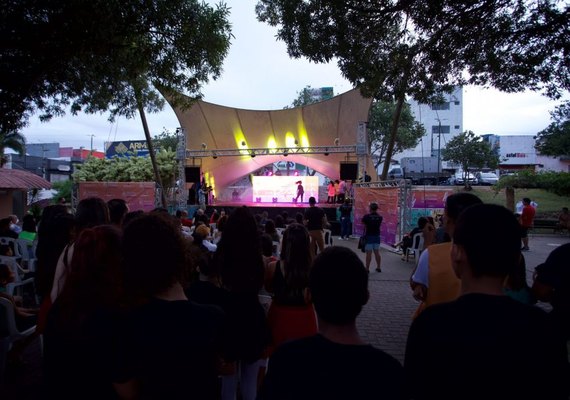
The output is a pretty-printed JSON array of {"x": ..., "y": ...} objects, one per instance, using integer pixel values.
[
  {"x": 442, "y": 121},
  {"x": 518, "y": 152}
]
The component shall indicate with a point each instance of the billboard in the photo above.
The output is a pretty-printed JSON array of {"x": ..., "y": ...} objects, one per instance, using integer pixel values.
[{"x": 127, "y": 148}]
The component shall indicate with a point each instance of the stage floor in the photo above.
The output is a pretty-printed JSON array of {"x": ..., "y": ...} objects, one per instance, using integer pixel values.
[{"x": 221, "y": 204}]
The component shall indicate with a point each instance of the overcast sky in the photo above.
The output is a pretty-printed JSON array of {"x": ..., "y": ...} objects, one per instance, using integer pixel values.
[{"x": 258, "y": 74}]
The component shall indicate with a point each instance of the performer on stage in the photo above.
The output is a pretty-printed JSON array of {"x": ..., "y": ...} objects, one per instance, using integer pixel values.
[{"x": 300, "y": 191}]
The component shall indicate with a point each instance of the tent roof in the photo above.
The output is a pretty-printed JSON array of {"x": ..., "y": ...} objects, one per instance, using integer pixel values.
[
  {"x": 318, "y": 124},
  {"x": 23, "y": 180}
]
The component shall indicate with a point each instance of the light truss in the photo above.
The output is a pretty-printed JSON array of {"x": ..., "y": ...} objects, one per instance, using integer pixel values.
[{"x": 275, "y": 151}]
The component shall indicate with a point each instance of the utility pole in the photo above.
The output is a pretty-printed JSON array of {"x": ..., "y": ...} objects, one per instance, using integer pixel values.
[{"x": 92, "y": 135}]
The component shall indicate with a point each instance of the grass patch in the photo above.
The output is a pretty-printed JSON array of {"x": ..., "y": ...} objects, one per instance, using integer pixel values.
[{"x": 549, "y": 204}]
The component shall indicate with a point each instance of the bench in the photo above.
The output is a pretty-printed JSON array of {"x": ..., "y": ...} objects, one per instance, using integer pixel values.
[{"x": 545, "y": 224}]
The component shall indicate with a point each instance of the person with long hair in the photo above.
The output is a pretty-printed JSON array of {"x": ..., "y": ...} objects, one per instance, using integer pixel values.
[
  {"x": 80, "y": 339},
  {"x": 241, "y": 269},
  {"x": 91, "y": 212},
  {"x": 290, "y": 315},
  {"x": 171, "y": 345}
]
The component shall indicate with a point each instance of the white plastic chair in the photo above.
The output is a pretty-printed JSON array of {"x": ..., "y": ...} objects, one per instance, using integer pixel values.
[
  {"x": 19, "y": 273},
  {"x": 13, "y": 243},
  {"x": 9, "y": 332},
  {"x": 417, "y": 246},
  {"x": 28, "y": 252}
]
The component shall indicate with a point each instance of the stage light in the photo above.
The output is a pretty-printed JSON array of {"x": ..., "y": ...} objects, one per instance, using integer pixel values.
[
  {"x": 296, "y": 142},
  {"x": 274, "y": 199},
  {"x": 336, "y": 141},
  {"x": 204, "y": 146},
  {"x": 326, "y": 151},
  {"x": 252, "y": 154},
  {"x": 243, "y": 143},
  {"x": 258, "y": 199},
  {"x": 214, "y": 156}
]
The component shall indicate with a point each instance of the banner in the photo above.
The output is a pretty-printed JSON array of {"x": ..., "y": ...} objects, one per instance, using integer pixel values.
[
  {"x": 138, "y": 195},
  {"x": 387, "y": 199}
]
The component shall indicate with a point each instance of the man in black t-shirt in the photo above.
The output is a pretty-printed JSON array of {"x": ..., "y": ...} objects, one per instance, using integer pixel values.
[
  {"x": 336, "y": 363},
  {"x": 372, "y": 222},
  {"x": 485, "y": 344},
  {"x": 315, "y": 220}
]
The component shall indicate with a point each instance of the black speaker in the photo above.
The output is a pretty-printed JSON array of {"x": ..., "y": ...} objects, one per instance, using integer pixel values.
[
  {"x": 348, "y": 171},
  {"x": 192, "y": 174}
]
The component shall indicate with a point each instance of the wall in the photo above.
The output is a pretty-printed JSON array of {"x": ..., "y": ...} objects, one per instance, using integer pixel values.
[{"x": 430, "y": 119}]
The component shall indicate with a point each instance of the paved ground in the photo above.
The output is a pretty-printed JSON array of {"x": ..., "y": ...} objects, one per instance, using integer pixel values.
[{"x": 384, "y": 321}]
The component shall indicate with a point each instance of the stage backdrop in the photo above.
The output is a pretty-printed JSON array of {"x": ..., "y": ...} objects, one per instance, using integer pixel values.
[
  {"x": 387, "y": 199},
  {"x": 284, "y": 188}
]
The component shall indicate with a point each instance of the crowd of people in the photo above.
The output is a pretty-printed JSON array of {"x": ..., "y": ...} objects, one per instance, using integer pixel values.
[{"x": 151, "y": 305}]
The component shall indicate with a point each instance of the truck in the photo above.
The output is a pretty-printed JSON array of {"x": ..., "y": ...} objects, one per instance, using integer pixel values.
[{"x": 421, "y": 171}]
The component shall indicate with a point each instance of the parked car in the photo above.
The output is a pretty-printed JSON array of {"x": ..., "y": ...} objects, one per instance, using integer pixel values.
[
  {"x": 486, "y": 178},
  {"x": 459, "y": 179}
]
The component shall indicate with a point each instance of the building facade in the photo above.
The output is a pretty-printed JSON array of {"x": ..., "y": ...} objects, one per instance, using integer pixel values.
[
  {"x": 442, "y": 121},
  {"x": 517, "y": 152}
]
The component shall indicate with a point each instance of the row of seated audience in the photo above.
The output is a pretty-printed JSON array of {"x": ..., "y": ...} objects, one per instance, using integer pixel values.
[{"x": 133, "y": 308}]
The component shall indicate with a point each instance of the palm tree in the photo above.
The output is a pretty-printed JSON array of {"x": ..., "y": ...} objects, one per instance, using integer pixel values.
[{"x": 11, "y": 140}]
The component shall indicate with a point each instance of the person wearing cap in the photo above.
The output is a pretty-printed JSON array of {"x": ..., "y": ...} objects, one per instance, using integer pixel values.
[
  {"x": 315, "y": 220},
  {"x": 551, "y": 284},
  {"x": 485, "y": 344},
  {"x": 372, "y": 222}
]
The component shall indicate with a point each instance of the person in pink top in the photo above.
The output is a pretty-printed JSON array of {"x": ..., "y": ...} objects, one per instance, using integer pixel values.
[{"x": 527, "y": 220}]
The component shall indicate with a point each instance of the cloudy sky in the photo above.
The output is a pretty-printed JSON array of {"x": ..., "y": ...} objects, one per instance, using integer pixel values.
[{"x": 258, "y": 74}]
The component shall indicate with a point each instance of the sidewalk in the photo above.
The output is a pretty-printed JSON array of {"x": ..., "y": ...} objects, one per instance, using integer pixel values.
[{"x": 385, "y": 320}]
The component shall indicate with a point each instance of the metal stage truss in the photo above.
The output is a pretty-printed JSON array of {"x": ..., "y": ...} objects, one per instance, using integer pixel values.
[{"x": 274, "y": 151}]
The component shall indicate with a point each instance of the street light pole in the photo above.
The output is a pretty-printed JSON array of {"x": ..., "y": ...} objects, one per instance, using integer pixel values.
[
  {"x": 439, "y": 146},
  {"x": 92, "y": 135}
]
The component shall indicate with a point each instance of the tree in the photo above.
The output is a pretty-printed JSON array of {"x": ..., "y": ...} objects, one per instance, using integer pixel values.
[
  {"x": 555, "y": 139},
  {"x": 399, "y": 48},
  {"x": 11, "y": 140},
  {"x": 379, "y": 123},
  {"x": 166, "y": 140},
  {"x": 128, "y": 169},
  {"x": 106, "y": 56},
  {"x": 469, "y": 151}
]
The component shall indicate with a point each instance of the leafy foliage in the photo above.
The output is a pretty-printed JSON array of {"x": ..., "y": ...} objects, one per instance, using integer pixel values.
[
  {"x": 133, "y": 169},
  {"x": 397, "y": 48},
  {"x": 409, "y": 133},
  {"x": 166, "y": 140},
  {"x": 64, "y": 189},
  {"x": 555, "y": 139},
  {"x": 469, "y": 151},
  {"x": 555, "y": 182},
  {"x": 11, "y": 140},
  {"x": 105, "y": 55}
]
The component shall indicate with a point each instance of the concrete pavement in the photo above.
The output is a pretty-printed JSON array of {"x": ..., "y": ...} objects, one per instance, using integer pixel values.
[{"x": 385, "y": 320}]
